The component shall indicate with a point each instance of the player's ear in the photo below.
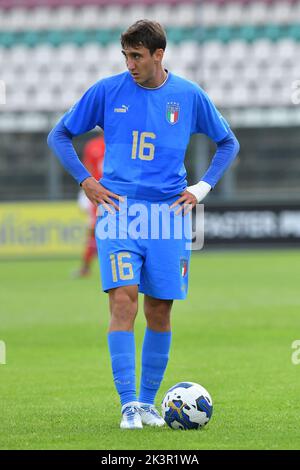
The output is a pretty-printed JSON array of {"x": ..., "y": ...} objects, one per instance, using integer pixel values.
[{"x": 158, "y": 55}]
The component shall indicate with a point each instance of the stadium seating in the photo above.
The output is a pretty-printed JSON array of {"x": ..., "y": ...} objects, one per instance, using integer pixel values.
[{"x": 243, "y": 53}]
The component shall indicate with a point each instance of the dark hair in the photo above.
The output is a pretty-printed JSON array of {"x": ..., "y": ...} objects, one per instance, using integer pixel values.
[{"x": 149, "y": 34}]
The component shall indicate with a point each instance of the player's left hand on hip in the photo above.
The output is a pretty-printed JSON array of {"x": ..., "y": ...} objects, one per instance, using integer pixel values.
[
  {"x": 191, "y": 196},
  {"x": 186, "y": 203}
]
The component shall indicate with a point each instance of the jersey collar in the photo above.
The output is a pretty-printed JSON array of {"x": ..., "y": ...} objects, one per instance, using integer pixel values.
[{"x": 157, "y": 87}]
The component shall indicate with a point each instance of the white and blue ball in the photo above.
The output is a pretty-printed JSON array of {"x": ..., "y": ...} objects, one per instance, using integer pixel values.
[{"x": 187, "y": 405}]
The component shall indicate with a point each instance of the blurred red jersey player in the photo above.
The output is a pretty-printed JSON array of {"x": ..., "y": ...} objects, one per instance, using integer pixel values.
[{"x": 93, "y": 156}]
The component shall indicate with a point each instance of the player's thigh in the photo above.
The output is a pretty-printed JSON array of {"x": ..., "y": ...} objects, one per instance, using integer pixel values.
[
  {"x": 120, "y": 259},
  {"x": 165, "y": 271}
]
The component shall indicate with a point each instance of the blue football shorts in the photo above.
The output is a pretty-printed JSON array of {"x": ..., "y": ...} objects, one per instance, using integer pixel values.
[{"x": 145, "y": 244}]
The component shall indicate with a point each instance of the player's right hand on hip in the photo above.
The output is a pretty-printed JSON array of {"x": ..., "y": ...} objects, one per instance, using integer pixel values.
[{"x": 98, "y": 194}]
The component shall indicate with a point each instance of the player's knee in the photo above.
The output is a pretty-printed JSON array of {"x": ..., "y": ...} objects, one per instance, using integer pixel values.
[
  {"x": 156, "y": 307},
  {"x": 123, "y": 304},
  {"x": 159, "y": 322},
  {"x": 158, "y": 316}
]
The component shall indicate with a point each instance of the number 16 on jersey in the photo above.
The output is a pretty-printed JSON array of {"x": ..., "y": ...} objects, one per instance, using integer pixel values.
[{"x": 140, "y": 148}]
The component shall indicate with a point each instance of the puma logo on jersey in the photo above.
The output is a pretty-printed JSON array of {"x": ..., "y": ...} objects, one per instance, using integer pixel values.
[{"x": 123, "y": 109}]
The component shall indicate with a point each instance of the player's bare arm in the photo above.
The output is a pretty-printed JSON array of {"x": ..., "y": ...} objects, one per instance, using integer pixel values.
[{"x": 98, "y": 194}]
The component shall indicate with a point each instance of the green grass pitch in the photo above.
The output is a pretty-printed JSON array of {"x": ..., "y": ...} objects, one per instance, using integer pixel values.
[{"x": 233, "y": 335}]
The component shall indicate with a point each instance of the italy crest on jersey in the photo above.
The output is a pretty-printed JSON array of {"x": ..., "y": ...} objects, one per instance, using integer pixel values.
[{"x": 172, "y": 112}]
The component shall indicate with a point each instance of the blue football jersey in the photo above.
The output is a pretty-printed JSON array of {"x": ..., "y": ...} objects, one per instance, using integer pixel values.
[{"x": 146, "y": 131}]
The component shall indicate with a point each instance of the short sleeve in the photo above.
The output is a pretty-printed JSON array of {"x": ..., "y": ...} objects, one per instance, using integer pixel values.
[
  {"x": 88, "y": 112},
  {"x": 207, "y": 119}
]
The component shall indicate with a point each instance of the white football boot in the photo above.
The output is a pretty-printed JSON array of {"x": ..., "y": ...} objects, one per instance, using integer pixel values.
[
  {"x": 150, "y": 415},
  {"x": 131, "y": 418}
]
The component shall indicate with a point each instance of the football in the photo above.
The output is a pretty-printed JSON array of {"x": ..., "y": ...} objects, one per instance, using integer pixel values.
[{"x": 187, "y": 405}]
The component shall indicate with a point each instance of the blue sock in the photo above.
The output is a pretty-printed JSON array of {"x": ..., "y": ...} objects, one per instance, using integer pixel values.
[
  {"x": 122, "y": 353},
  {"x": 155, "y": 357}
]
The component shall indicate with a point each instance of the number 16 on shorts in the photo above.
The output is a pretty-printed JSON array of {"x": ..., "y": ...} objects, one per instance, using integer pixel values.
[{"x": 121, "y": 269}]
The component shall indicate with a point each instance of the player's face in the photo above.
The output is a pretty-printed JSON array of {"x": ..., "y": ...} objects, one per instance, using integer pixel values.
[{"x": 143, "y": 66}]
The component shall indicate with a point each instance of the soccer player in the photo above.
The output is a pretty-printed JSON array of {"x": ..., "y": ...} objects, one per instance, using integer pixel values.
[
  {"x": 93, "y": 154},
  {"x": 148, "y": 115}
]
